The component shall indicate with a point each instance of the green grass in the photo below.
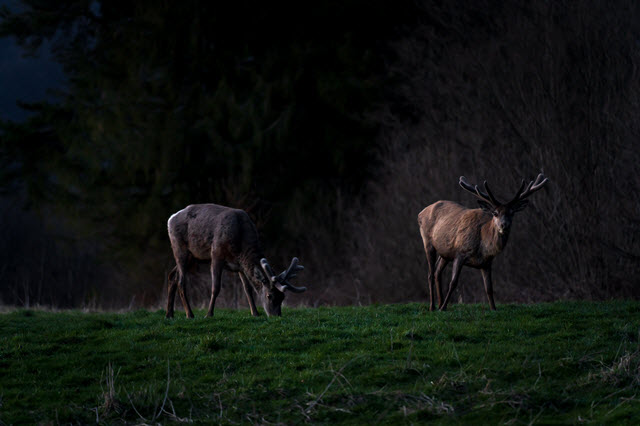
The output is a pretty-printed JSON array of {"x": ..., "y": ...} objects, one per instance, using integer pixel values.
[{"x": 549, "y": 363}]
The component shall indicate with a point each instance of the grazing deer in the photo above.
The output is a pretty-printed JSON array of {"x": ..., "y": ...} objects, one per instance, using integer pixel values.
[
  {"x": 228, "y": 239},
  {"x": 472, "y": 237}
]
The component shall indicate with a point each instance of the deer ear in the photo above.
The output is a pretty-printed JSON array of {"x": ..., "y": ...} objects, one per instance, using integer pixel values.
[
  {"x": 486, "y": 206},
  {"x": 519, "y": 205}
]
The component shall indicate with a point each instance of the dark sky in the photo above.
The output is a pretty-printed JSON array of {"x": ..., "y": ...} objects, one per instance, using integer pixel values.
[{"x": 24, "y": 78}]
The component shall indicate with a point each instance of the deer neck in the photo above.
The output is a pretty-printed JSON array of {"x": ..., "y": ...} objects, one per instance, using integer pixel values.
[
  {"x": 493, "y": 241},
  {"x": 250, "y": 265}
]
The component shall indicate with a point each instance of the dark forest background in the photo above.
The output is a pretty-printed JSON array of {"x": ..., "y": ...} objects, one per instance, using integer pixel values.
[{"x": 333, "y": 124}]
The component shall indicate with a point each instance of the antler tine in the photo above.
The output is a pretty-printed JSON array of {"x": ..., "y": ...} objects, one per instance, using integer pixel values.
[
  {"x": 494, "y": 200},
  {"x": 280, "y": 280},
  {"x": 540, "y": 180},
  {"x": 488, "y": 197},
  {"x": 466, "y": 185},
  {"x": 532, "y": 187},
  {"x": 518, "y": 192},
  {"x": 267, "y": 270},
  {"x": 293, "y": 288},
  {"x": 291, "y": 270}
]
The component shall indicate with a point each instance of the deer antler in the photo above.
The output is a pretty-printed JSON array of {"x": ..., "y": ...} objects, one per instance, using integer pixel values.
[
  {"x": 530, "y": 189},
  {"x": 280, "y": 281},
  {"x": 267, "y": 270},
  {"x": 291, "y": 272},
  {"x": 485, "y": 196}
]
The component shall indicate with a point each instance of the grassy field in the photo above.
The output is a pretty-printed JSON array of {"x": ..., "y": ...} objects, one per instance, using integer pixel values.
[{"x": 394, "y": 364}]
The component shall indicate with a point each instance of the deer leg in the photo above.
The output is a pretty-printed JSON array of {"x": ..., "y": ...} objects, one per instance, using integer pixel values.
[
  {"x": 171, "y": 291},
  {"x": 488, "y": 286},
  {"x": 183, "y": 259},
  {"x": 216, "y": 283},
  {"x": 431, "y": 260},
  {"x": 249, "y": 292},
  {"x": 182, "y": 290},
  {"x": 440, "y": 265},
  {"x": 458, "y": 262}
]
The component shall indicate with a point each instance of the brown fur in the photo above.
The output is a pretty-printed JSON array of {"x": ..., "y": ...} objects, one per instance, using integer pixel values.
[
  {"x": 465, "y": 236},
  {"x": 454, "y": 230},
  {"x": 228, "y": 239},
  {"x": 472, "y": 237}
]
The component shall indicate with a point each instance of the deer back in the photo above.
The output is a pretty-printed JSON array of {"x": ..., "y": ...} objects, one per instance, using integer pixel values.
[
  {"x": 453, "y": 229},
  {"x": 204, "y": 229}
]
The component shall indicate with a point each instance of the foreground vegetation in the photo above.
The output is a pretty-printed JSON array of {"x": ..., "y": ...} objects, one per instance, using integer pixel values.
[{"x": 550, "y": 363}]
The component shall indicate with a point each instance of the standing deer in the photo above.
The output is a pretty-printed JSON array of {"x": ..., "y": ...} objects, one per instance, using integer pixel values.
[
  {"x": 228, "y": 239},
  {"x": 472, "y": 237}
]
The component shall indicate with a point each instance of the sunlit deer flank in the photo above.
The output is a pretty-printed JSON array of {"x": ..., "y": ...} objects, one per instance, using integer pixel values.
[
  {"x": 228, "y": 239},
  {"x": 472, "y": 237}
]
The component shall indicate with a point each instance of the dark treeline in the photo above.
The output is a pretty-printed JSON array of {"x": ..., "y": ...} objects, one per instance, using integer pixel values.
[
  {"x": 333, "y": 129},
  {"x": 174, "y": 103}
]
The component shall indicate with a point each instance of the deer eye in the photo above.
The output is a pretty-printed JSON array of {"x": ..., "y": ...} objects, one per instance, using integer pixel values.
[{"x": 494, "y": 213}]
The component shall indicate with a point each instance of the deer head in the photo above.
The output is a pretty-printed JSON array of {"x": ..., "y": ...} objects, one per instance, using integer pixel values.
[
  {"x": 273, "y": 293},
  {"x": 503, "y": 212}
]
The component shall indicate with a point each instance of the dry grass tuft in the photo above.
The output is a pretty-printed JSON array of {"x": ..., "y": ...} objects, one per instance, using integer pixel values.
[
  {"x": 624, "y": 371},
  {"x": 111, "y": 402}
]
